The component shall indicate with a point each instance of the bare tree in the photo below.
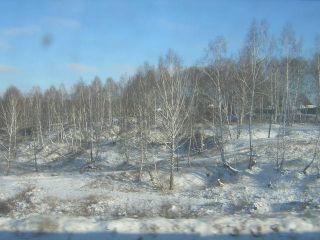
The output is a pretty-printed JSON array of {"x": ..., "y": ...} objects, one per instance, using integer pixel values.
[
  {"x": 217, "y": 72},
  {"x": 37, "y": 128},
  {"x": 80, "y": 111},
  {"x": 254, "y": 56},
  {"x": 110, "y": 89},
  {"x": 172, "y": 85},
  {"x": 288, "y": 43},
  {"x": 10, "y": 107},
  {"x": 316, "y": 71}
]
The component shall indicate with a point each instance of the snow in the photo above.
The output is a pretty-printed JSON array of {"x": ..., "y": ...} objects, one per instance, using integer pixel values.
[
  {"x": 108, "y": 202},
  {"x": 224, "y": 227}
]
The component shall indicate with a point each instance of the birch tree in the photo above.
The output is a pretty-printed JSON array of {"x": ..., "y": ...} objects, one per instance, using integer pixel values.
[
  {"x": 288, "y": 44},
  {"x": 217, "y": 72},
  {"x": 316, "y": 71},
  {"x": 10, "y": 112},
  {"x": 255, "y": 56},
  {"x": 172, "y": 85},
  {"x": 37, "y": 126}
]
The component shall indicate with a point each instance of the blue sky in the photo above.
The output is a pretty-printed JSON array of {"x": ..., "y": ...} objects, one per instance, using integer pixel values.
[{"x": 54, "y": 42}]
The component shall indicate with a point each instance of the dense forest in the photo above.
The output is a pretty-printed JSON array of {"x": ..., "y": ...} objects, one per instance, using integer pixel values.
[{"x": 269, "y": 80}]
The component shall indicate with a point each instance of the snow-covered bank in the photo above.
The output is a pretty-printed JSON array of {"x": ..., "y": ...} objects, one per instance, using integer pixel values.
[
  {"x": 222, "y": 227},
  {"x": 207, "y": 200}
]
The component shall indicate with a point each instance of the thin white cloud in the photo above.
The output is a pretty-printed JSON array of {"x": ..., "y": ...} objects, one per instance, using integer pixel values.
[
  {"x": 81, "y": 68},
  {"x": 123, "y": 68},
  {"x": 18, "y": 31},
  {"x": 8, "y": 69},
  {"x": 63, "y": 22},
  {"x": 4, "y": 46}
]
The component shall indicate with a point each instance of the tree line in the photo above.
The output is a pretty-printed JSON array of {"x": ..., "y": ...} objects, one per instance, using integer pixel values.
[{"x": 267, "y": 80}]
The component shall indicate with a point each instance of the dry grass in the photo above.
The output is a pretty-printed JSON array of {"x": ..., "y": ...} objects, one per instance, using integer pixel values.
[
  {"x": 53, "y": 203},
  {"x": 24, "y": 196},
  {"x": 85, "y": 208},
  {"x": 9, "y": 205},
  {"x": 47, "y": 225}
]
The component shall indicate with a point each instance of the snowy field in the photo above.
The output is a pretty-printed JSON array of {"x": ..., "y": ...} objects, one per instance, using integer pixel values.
[{"x": 66, "y": 200}]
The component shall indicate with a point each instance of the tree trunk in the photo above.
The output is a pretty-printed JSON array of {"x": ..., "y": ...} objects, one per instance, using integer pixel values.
[
  {"x": 141, "y": 158},
  {"x": 172, "y": 164},
  {"x": 251, "y": 160},
  {"x": 270, "y": 122}
]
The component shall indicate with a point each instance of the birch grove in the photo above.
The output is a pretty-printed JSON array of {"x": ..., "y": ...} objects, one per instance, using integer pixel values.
[{"x": 268, "y": 80}]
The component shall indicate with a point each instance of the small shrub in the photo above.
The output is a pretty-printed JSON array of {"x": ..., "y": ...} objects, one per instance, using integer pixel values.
[
  {"x": 10, "y": 204},
  {"x": 53, "y": 203},
  {"x": 91, "y": 199},
  {"x": 85, "y": 208},
  {"x": 170, "y": 211},
  {"x": 23, "y": 196},
  {"x": 153, "y": 228},
  {"x": 47, "y": 225},
  {"x": 5, "y": 208},
  {"x": 242, "y": 205}
]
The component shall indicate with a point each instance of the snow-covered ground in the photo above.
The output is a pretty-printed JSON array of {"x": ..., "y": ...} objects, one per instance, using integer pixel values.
[{"x": 63, "y": 201}]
